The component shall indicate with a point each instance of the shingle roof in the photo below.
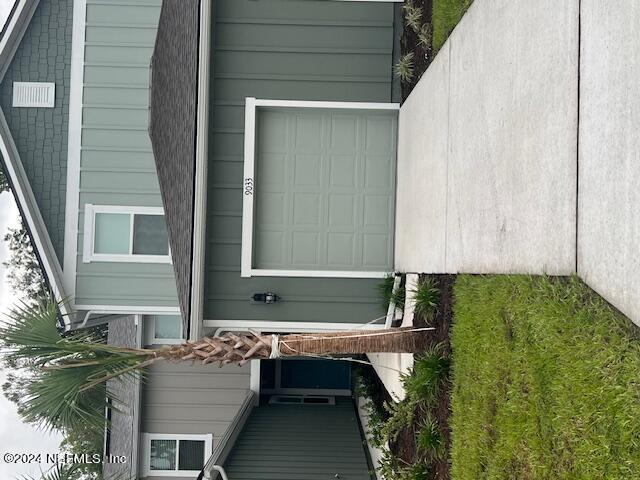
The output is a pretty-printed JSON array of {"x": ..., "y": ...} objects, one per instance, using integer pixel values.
[
  {"x": 124, "y": 420},
  {"x": 172, "y": 128}
]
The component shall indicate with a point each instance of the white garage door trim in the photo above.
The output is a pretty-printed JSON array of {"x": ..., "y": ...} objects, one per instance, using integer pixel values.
[{"x": 246, "y": 268}]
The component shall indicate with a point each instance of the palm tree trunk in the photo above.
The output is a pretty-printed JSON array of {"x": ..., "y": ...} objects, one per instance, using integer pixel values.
[{"x": 234, "y": 348}]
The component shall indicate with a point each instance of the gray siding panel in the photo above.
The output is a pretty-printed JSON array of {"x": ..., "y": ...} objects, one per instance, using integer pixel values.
[
  {"x": 192, "y": 399},
  {"x": 186, "y": 398},
  {"x": 117, "y": 164},
  {"x": 295, "y": 442},
  {"x": 44, "y": 55},
  {"x": 294, "y": 50}
]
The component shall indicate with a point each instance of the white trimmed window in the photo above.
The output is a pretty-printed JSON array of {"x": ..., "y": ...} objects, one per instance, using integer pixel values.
[
  {"x": 125, "y": 234},
  {"x": 175, "y": 455},
  {"x": 163, "y": 329}
]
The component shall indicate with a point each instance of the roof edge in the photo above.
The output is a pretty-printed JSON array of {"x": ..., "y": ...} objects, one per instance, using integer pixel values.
[
  {"x": 14, "y": 30},
  {"x": 21, "y": 190},
  {"x": 198, "y": 240}
]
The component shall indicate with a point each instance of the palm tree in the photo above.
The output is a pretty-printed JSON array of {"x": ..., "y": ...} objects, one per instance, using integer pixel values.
[{"x": 71, "y": 371}]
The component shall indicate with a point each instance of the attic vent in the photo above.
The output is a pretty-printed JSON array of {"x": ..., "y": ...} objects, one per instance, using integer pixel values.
[
  {"x": 34, "y": 94},
  {"x": 302, "y": 400}
]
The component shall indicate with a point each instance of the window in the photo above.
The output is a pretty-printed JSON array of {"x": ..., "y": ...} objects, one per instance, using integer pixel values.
[
  {"x": 125, "y": 234},
  {"x": 162, "y": 329},
  {"x": 175, "y": 455}
]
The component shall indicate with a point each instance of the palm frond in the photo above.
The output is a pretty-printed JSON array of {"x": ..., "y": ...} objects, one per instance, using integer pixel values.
[
  {"x": 67, "y": 375},
  {"x": 58, "y": 472}
]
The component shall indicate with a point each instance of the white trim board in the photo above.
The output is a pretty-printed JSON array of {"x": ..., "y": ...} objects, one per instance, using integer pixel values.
[
  {"x": 17, "y": 25},
  {"x": 246, "y": 264},
  {"x": 292, "y": 327},
  {"x": 74, "y": 148},
  {"x": 200, "y": 184},
  {"x": 127, "y": 309}
]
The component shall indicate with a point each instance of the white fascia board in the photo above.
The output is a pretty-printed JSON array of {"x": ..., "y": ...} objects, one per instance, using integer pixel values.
[
  {"x": 201, "y": 161},
  {"x": 74, "y": 146},
  {"x": 32, "y": 217},
  {"x": 290, "y": 327},
  {"x": 18, "y": 23}
]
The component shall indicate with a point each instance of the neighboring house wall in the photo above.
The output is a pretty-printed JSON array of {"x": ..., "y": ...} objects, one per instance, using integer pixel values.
[
  {"x": 40, "y": 134},
  {"x": 192, "y": 399},
  {"x": 117, "y": 165},
  {"x": 292, "y": 50}
]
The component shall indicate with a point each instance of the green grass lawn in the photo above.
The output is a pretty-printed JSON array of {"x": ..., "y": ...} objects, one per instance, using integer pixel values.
[
  {"x": 445, "y": 16},
  {"x": 546, "y": 382}
]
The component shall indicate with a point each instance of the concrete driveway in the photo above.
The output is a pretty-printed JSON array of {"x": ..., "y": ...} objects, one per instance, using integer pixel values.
[
  {"x": 519, "y": 149},
  {"x": 487, "y": 146}
]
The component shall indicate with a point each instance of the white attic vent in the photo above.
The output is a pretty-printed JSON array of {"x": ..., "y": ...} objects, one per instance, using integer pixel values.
[{"x": 34, "y": 94}]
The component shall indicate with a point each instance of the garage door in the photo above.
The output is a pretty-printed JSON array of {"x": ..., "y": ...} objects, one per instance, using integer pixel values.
[{"x": 324, "y": 189}]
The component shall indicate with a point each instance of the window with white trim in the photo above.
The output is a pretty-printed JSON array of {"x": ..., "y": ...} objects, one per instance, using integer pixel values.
[
  {"x": 176, "y": 455},
  {"x": 163, "y": 329},
  {"x": 125, "y": 234}
]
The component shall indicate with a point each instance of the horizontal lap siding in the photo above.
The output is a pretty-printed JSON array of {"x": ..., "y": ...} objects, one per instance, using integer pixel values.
[
  {"x": 293, "y": 50},
  {"x": 192, "y": 399},
  {"x": 117, "y": 164}
]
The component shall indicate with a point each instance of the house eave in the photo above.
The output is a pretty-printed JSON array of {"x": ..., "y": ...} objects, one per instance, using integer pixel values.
[
  {"x": 13, "y": 32},
  {"x": 200, "y": 186},
  {"x": 32, "y": 217}
]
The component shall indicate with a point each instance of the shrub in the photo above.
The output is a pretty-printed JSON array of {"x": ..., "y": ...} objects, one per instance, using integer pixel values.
[
  {"x": 430, "y": 440},
  {"x": 367, "y": 387},
  {"x": 388, "y": 295},
  {"x": 413, "y": 16},
  {"x": 400, "y": 417},
  {"x": 426, "y": 298},
  {"x": 404, "y": 69},
  {"x": 393, "y": 468},
  {"x": 429, "y": 373},
  {"x": 385, "y": 289},
  {"x": 425, "y": 37}
]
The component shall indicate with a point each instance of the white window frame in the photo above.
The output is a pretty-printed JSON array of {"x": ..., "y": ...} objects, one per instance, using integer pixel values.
[
  {"x": 207, "y": 438},
  {"x": 246, "y": 265},
  {"x": 150, "y": 331},
  {"x": 88, "y": 254}
]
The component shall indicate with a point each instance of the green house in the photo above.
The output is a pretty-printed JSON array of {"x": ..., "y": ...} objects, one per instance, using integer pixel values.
[{"x": 193, "y": 166}]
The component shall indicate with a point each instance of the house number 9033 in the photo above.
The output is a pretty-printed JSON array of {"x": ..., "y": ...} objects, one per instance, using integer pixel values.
[{"x": 248, "y": 186}]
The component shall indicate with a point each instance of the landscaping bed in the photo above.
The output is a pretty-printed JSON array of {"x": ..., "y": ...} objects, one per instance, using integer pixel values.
[
  {"x": 414, "y": 432},
  {"x": 544, "y": 383},
  {"x": 426, "y": 26}
]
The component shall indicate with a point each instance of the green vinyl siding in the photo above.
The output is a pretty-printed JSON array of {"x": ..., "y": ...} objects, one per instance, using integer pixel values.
[
  {"x": 117, "y": 165},
  {"x": 291, "y": 442},
  {"x": 40, "y": 134},
  {"x": 290, "y": 50}
]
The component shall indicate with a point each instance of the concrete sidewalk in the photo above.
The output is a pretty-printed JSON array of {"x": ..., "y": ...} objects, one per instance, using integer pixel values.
[
  {"x": 503, "y": 169},
  {"x": 609, "y": 159},
  {"x": 487, "y": 146}
]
